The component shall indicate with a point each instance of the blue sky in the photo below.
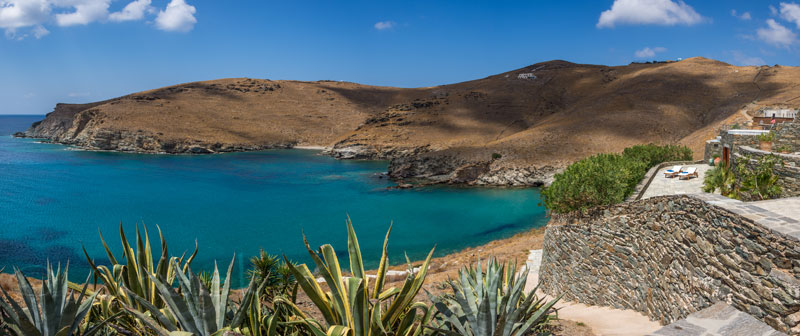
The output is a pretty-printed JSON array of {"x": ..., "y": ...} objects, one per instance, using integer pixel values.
[{"x": 86, "y": 50}]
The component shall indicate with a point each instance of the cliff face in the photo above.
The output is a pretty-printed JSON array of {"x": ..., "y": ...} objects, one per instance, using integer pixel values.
[{"x": 515, "y": 128}]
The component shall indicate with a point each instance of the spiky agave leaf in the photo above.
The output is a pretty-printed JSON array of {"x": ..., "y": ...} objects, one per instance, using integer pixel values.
[
  {"x": 350, "y": 306},
  {"x": 56, "y": 312},
  {"x": 196, "y": 308},
  {"x": 491, "y": 303}
]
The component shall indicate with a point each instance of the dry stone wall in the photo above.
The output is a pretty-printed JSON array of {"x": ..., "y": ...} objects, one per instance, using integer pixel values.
[
  {"x": 670, "y": 256},
  {"x": 788, "y": 134}
]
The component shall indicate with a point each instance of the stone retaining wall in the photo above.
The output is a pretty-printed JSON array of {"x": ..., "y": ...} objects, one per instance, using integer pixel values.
[
  {"x": 670, "y": 256},
  {"x": 788, "y": 134}
]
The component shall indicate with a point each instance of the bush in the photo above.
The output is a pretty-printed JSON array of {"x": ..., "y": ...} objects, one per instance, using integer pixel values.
[
  {"x": 276, "y": 275},
  {"x": 606, "y": 179},
  {"x": 766, "y": 137},
  {"x": 753, "y": 182},
  {"x": 496, "y": 156},
  {"x": 722, "y": 178},
  {"x": 652, "y": 155}
]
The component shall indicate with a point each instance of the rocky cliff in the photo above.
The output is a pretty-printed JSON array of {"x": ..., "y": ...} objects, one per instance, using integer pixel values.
[{"x": 515, "y": 128}]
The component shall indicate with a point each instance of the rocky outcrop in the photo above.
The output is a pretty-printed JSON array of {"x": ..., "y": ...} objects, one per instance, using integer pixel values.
[
  {"x": 364, "y": 151},
  {"x": 526, "y": 176},
  {"x": 81, "y": 126},
  {"x": 438, "y": 167}
]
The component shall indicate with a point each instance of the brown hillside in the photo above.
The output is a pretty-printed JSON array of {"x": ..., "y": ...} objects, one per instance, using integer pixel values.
[{"x": 562, "y": 112}]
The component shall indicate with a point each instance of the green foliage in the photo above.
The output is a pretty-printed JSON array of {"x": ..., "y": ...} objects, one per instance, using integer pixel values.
[
  {"x": 753, "y": 181},
  {"x": 196, "y": 308},
  {"x": 496, "y": 156},
  {"x": 606, "y": 179},
  {"x": 276, "y": 275},
  {"x": 720, "y": 178},
  {"x": 492, "y": 303},
  {"x": 144, "y": 300},
  {"x": 61, "y": 312},
  {"x": 352, "y": 307},
  {"x": 651, "y": 155},
  {"x": 784, "y": 149},
  {"x": 766, "y": 137},
  {"x": 760, "y": 182},
  {"x": 134, "y": 276}
]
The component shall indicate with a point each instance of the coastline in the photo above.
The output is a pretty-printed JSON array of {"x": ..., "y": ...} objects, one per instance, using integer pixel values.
[{"x": 408, "y": 167}]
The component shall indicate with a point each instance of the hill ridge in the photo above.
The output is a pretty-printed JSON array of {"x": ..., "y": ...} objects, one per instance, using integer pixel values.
[{"x": 513, "y": 128}]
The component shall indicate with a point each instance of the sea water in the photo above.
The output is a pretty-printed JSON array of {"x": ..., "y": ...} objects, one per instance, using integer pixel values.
[{"x": 54, "y": 200}]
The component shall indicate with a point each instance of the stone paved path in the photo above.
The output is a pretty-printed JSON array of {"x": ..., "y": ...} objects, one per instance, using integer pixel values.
[
  {"x": 604, "y": 321},
  {"x": 718, "y": 320},
  {"x": 780, "y": 215},
  {"x": 675, "y": 186}
]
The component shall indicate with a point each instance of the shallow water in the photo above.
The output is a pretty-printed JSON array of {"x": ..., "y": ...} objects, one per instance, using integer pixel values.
[{"x": 54, "y": 200}]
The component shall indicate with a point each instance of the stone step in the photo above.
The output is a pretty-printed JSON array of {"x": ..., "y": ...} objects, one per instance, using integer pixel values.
[{"x": 721, "y": 319}]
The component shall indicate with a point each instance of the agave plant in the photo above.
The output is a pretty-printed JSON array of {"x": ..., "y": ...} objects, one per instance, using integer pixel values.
[
  {"x": 196, "y": 308},
  {"x": 352, "y": 307},
  {"x": 61, "y": 313},
  {"x": 136, "y": 273},
  {"x": 491, "y": 304}
]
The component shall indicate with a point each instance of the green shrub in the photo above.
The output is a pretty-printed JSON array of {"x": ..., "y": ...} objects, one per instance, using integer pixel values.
[
  {"x": 278, "y": 276},
  {"x": 652, "y": 155},
  {"x": 606, "y": 179},
  {"x": 766, "y": 137},
  {"x": 722, "y": 178},
  {"x": 752, "y": 182},
  {"x": 760, "y": 182},
  {"x": 496, "y": 156},
  {"x": 784, "y": 149}
]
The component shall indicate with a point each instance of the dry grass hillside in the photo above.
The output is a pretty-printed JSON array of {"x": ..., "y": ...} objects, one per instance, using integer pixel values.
[{"x": 547, "y": 114}]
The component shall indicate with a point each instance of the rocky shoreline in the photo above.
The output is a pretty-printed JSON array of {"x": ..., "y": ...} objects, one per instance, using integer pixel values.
[{"x": 422, "y": 165}]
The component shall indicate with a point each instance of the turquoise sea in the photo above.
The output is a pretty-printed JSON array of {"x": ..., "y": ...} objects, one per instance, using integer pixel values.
[{"x": 53, "y": 201}]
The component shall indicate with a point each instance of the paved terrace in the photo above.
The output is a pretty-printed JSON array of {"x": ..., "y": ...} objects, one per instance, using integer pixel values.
[
  {"x": 661, "y": 185},
  {"x": 780, "y": 215}
]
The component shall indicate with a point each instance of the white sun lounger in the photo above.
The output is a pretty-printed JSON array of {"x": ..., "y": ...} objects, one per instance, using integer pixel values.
[
  {"x": 672, "y": 172},
  {"x": 688, "y": 174}
]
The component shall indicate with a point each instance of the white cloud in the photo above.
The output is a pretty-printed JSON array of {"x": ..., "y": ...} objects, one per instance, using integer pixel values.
[
  {"x": 791, "y": 12},
  {"x": 179, "y": 17},
  {"x": 744, "y": 16},
  {"x": 643, "y": 12},
  {"x": 741, "y": 59},
  {"x": 776, "y": 34},
  {"x": 85, "y": 12},
  {"x": 23, "y": 13},
  {"x": 132, "y": 12},
  {"x": 22, "y": 18},
  {"x": 40, "y": 31},
  {"x": 648, "y": 52},
  {"x": 383, "y": 25}
]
